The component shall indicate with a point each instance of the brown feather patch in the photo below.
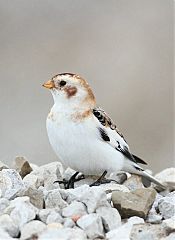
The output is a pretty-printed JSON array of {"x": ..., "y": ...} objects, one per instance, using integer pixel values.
[{"x": 71, "y": 91}]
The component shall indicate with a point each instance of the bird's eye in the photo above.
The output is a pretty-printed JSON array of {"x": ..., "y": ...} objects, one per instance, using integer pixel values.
[{"x": 62, "y": 83}]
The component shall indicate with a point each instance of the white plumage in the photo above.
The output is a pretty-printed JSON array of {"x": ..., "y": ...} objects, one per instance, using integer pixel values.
[{"x": 82, "y": 135}]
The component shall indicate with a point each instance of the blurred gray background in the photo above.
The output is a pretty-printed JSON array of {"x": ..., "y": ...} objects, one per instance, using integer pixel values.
[{"x": 123, "y": 48}]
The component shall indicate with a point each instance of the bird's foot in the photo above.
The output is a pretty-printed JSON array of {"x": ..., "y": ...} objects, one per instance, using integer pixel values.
[
  {"x": 102, "y": 180},
  {"x": 70, "y": 183}
]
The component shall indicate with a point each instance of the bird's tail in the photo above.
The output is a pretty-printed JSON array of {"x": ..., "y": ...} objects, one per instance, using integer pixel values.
[{"x": 136, "y": 169}]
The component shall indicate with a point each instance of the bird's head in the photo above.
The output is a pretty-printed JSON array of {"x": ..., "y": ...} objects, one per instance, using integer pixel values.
[{"x": 70, "y": 90}]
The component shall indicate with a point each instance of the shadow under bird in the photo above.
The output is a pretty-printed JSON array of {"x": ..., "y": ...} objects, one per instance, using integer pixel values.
[{"x": 83, "y": 136}]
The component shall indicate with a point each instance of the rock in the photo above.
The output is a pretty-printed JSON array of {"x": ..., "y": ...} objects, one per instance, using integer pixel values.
[
  {"x": 11, "y": 183},
  {"x": 36, "y": 197},
  {"x": 53, "y": 199},
  {"x": 4, "y": 235},
  {"x": 21, "y": 210},
  {"x": 170, "y": 237},
  {"x": 135, "y": 203},
  {"x": 22, "y": 166},
  {"x": 123, "y": 232},
  {"x": 134, "y": 182},
  {"x": 119, "y": 177},
  {"x": 54, "y": 225},
  {"x": 68, "y": 222},
  {"x": 166, "y": 206},
  {"x": 75, "y": 208},
  {"x": 154, "y": 218},
  {"x": 110, "y": 187},
  {"x": 32, "y": 229},
  {"x": 54, "y": 217},
  {"x": 110, "y": 217},
  {"x": 92, "y": 197},
  {"x": 167, "y": 178},
  {"x": 169, "y": 225},
  {"x": 92, "y": 225},
  {"x": 3, "y": 166},
  {"x": 34, "y": 166},
  {"x": 50, "y": 173},
  {"x": 9, "y": 225},
  {"x": 4, "y": 203},
  {"x": 147, "y": 231},
  {"x": 33, "y": 181},
  {"x": 44, "y": 213},
  {"x": 63, "y": 234}
]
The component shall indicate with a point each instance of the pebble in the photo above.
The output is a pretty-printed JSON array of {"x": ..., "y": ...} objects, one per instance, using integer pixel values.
[
  {"x": 11, "y": 183},
  {"x": 9, "y": 225},
  {"x": 53, "y": 199},
  {"x": 110, "y": 217},
  {"x": 21, "y": 210},
  {"x": 167, "y": 177},
  {"x": 169, "y": 225},
  {"x": 135, "y": 203},
  {"x": 3, "y": 166},
  {"x": 92, "y": 225},
  {"x": 134, "y": 182},
  {"x": 63, "y": 234},
  {"x": 36, "y": 196},
  {"x": 22, "y": 166},
  {"x": 123, "y": 232},
  {"x": 147, "y": 231},
  {"x": 54, "y": 217},
  {"x": 32, "y": 229},
  {"x": 4, "y": 203},
  {"x": 44, "y": 213},
  {"x": 75, "y": 208},
  {"x": 92, "y": 197},
  {"x": 166, "y": 205}
]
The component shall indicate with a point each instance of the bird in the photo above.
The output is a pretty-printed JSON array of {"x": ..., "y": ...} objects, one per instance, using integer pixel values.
[{"x": 83, "y": 135}]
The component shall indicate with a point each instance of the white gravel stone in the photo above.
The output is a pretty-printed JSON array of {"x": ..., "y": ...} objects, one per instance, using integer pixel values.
[
  {"x": 44, "y": 213},
  {"x": 32, "y": 180},
  {"x": 154, "y": 218},
  {"x": 32, "y": 229},
  {"x": 9, "y": 225},
  {"x": 92, "y": 225},
  {"x": 123, "y": 232},
  {"x": 53, "y": 199},
  {"x": 110, "y": 187},
  {"x": 169, "y": 225},
  {"x": 3, "y": 166},
  {"x": 11, "y": 183},
  {"x": 4, "y": 203},
  {"x": 92, "y": 197},
  {"x": 54, "y": 217},
  {"x": 4, "y": 235},
  {"x": 75, "y": 208},
  {"x": 63, "y": 234},
  {"x": 68, "y": 222},
  {"x": 167, "y": 177},
  {"x": 36, "y": 196},
  {"x": 21, "y": 210},
  {"x": 110, "y": 217},
  {"x": 169, "y": 237},
  {"x": 167, "y": 206}
]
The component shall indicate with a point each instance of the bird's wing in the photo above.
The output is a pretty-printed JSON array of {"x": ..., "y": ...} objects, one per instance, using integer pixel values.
[{"x": 109, "y": 133}]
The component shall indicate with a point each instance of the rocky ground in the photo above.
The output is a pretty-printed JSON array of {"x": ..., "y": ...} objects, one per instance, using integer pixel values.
[{"x": 32, "y": 206}]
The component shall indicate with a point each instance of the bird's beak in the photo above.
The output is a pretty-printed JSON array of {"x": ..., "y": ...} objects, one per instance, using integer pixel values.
[{"x": 49, "y": 84}]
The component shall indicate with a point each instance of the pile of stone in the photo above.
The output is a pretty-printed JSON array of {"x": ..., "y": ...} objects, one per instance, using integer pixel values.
[{"x": 33, "y": 207}]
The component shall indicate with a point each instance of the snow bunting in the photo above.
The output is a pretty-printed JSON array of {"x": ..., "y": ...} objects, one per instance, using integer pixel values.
[{"x": 82, "y": 135}]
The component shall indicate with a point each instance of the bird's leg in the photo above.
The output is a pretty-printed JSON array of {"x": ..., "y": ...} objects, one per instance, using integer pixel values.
[
  {"x": 102, "y": 180},
  {"x": 70, "y": 183}
]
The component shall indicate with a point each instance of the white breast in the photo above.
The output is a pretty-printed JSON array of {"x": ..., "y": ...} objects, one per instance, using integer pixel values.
[{"x": 79, "y": 145}]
